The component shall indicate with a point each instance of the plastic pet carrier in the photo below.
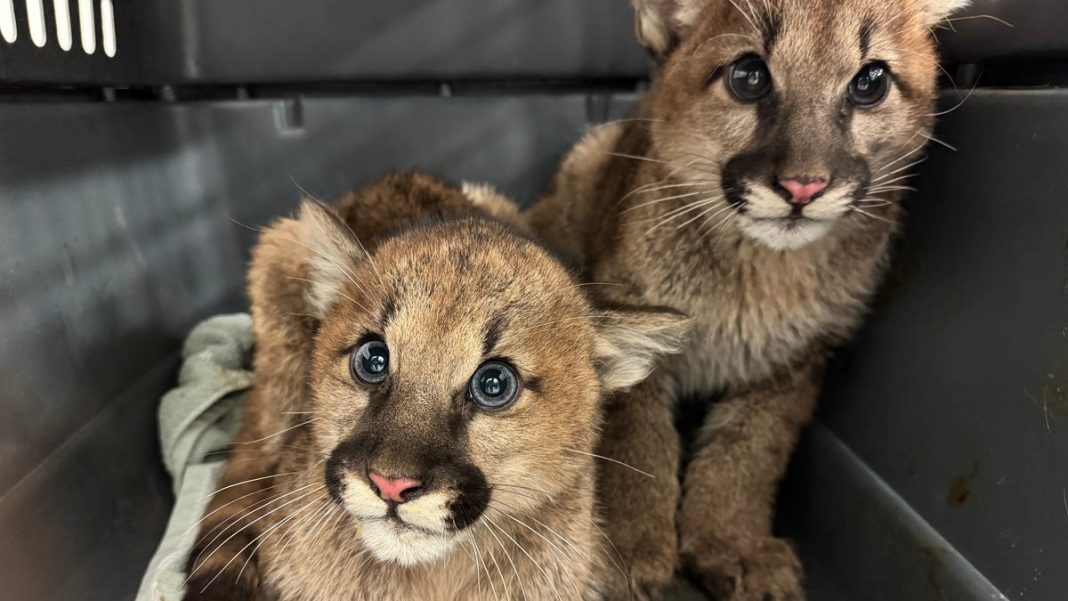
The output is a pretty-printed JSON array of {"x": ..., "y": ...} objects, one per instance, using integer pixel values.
[{"x": 137, "y": 136}]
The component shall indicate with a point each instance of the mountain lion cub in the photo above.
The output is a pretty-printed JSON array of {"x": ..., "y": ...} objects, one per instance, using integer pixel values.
[
  {"x": 427, "y": 401},
  {"x": 757, "y": 190}
]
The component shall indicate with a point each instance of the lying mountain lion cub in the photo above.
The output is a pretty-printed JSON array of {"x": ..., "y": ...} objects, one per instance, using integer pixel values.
[{"x": 425, "y": 410}]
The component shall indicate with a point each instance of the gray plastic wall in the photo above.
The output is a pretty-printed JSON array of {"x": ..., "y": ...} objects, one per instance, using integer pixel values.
[{"x": 936, "y": 471}]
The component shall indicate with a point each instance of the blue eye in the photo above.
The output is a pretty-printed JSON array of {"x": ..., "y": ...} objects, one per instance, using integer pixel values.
[
  {"x": 370, "y": 362},
  {"x": 494, "y": 386}
]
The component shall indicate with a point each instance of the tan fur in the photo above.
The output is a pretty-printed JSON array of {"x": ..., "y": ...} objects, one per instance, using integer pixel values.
[
  {"x": 424, "y": 266},
  {"x": 642, "y": 204}
]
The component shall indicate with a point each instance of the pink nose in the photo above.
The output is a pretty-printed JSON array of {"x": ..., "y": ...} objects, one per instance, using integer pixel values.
[
  {"x": 802, "y": 193},
  {"x": 393, "y": 489}
]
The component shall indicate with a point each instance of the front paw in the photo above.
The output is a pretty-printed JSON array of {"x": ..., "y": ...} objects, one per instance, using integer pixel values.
[
  {"x": 223, "y": 588},
  {"x": 646, "y": 573},
  {"x": 224, "y": 574},
  {"x": 770, "y": 571}
]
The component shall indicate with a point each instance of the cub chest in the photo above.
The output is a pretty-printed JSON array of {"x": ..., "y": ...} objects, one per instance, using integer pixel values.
[{"x": 738, "y": 339}]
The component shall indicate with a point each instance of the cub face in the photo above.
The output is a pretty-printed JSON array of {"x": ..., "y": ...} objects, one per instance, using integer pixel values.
[
  {"x": 456, "y": 377},
  {"x": 792, "y": 114}
]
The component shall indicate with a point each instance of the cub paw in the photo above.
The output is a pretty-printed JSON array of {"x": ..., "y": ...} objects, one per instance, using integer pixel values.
[
  {"x": 769, "y": 572},
  {"x": 200, "y": 590},
  {"x": 226, "y": 574},
  {"x": 650, "y": 575}
]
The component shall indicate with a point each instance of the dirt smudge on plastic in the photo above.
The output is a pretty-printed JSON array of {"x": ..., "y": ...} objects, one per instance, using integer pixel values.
[
  {"x": 960, "y": 488},
  {"x": 933, "y": 581}
]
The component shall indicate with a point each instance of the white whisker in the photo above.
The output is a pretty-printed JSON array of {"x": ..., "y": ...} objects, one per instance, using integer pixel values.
[
  {"x": 959, "y": 104},
  {"x": 665, "y": 199},
  {"x": 615, "y": 461},
  {"x": 871, "y": 215},
  {"x": 523, "y": 550},
  {"x": 232, "y": 521},
  {"x": 635, "y": 157},
  {"x": 705, "y": 214},
  {"x": 269, "y": 436},
  {"x": 211, "y": 494},
  {"x": 242, "y": 529},
  {"x": 940, "y": 142},
  {"x": 676, "y": 213},
  {"x": 249, "y": 544},
  {"x": 746, "y": 15},
  {"x": 988, "y": 17}
]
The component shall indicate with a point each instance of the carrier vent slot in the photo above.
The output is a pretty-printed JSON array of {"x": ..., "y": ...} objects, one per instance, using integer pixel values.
[
  {"x": 64, "y": 36},
  {"x": 8, "y": 30},
  {"x": 107, "y": 27},
  {"x": 36, "y": 20},
  {"x": 88, "y": 25},
  {"x": 37, "y": 24}
]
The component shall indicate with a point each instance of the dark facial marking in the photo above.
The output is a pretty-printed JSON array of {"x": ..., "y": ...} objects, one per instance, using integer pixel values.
[
  {"x": 773, "y": 146},
  {"x": 335, "y": 468},
  {"x": 389, "y": 309},
  {"x": 533, "y": 384},
  {"x": 866, "y": 31},
  {"x": 903, "y": 86},
  {"x": 770, "y": 26},
  {"x": 493, "y": 334},
  {"x": 471, "y": 500},
  {"x": 378, "y": 399}
]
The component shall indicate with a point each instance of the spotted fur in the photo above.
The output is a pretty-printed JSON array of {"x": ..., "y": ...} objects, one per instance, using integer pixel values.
[
  {"x": 684, "y": 206},
  {"x": 505, "y": 509}
]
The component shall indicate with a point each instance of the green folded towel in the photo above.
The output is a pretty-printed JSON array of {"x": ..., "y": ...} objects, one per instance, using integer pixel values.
[{"x": 197, "y": 422}]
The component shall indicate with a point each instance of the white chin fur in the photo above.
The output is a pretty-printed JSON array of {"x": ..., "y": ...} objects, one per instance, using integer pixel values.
[
  {"x": 783, "y": 235},
  {"x": 388, "y": 541}
]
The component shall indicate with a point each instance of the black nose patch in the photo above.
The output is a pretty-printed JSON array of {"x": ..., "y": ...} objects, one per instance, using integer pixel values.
[
  {"x": 439, "y": 472},
  {"x": 472, "y": 497},
  {"x": 755, "y": 165},
  {"x": 342, "y": 459}
]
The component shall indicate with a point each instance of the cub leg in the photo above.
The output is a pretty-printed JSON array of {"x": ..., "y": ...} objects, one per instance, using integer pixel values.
[
  {"x": 725, "y": 519},
  {"x": 221, "y": 565},
  {"x": 639, "y": 509}
]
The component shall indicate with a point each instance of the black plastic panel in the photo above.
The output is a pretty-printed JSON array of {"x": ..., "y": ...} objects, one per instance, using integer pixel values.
[
  {"x": 283, "y": 41},
  {"x": 85, "y": 522},
  {"x": 149, "y": 48},
  {"x": 1007, "y": 29},
  {"x": 957, "y": 392},
  {"x": 174, "y": 42}
]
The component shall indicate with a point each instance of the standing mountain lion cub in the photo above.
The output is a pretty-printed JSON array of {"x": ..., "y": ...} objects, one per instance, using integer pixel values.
[
  {"x": 757, "y": 190},
  {"x": 427, "y": 403}
]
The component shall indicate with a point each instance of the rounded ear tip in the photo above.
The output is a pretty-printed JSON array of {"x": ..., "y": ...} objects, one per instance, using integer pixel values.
[
  {"x": 310, "y": 207},
  {"x": 936, "y": 11},
  {"x": 653, "y": 34},
  {"x": 319, "y": 215}
]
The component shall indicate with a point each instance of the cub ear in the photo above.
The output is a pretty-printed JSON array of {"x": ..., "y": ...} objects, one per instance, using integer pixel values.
[
  {"x": 496, "y": 205},
  {"x": 332, "y": 252},
  {"x": 935, "y": 11},
  {"x": 300, "y": 265},
  {"x": 661, "y": 24},
  {"x": 629, "y": 342}
]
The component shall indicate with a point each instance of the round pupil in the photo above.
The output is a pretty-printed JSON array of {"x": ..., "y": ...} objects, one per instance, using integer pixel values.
[
  {"x": 749, "y": 79},
  {"x": 375, "y": 361},
  {"x": 493, "y": 382},
  {"x": 868, "y": 80}
]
